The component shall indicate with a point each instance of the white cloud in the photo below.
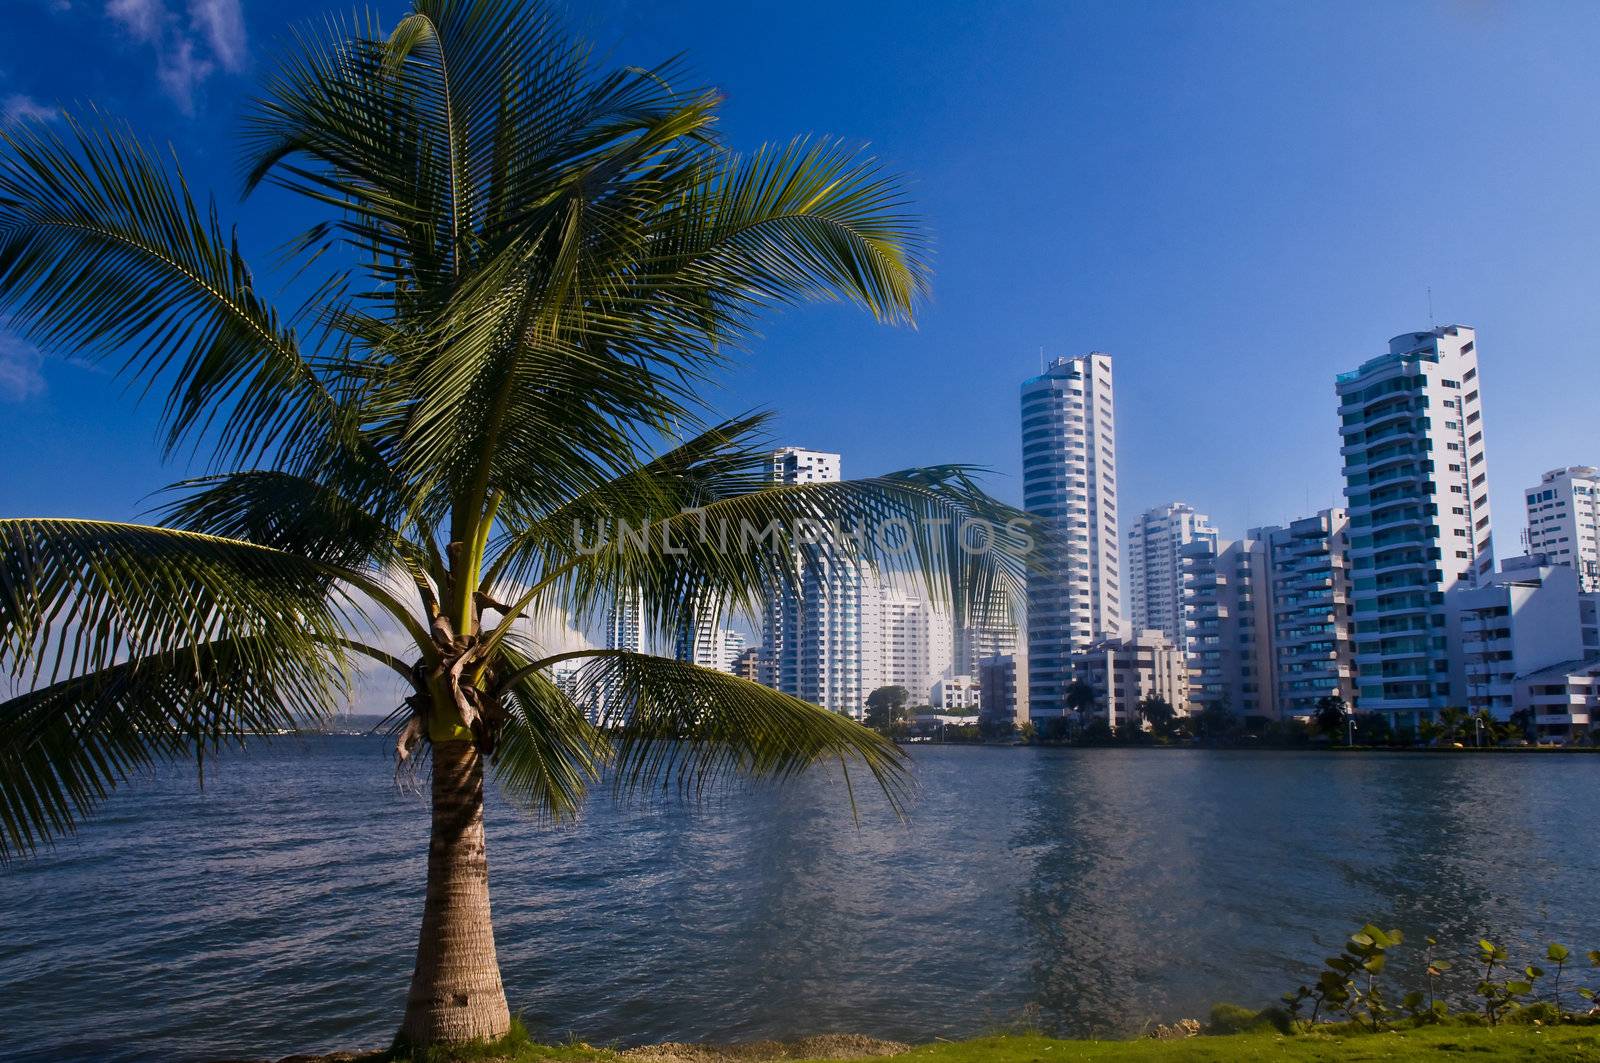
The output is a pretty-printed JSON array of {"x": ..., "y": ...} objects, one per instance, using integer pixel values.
[
  {"x": 20, "y": 376},
  {"x": 143, "y": 19},
  {"x": 181, "y": 71},
  {"x": 20, "y": 108},
  {"x": 187, "y": 52},
  {"x": 222, "y": 22}
]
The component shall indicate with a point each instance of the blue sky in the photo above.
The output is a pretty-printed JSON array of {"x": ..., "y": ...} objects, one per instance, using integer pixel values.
[{"x": 1235, "y": 201}]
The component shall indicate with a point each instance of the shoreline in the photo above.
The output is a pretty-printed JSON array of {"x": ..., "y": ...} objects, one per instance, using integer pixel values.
[
  {"x": 1183, "y": 1042},
  {"x": 1258, "y": 747}
]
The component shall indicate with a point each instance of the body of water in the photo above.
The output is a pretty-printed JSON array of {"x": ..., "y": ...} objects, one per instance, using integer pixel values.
[{"x": 1076, "y": 890}]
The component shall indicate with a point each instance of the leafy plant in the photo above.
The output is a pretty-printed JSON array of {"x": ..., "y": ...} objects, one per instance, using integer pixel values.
[
  {"x": 1584, "y": 991},
  {"x": 1351, "y": 985},
  {"x": 1501, "y": 996},
  {"x": 1435, "y": 969},
  {"x": 1557, "y": 954},
  {"x": 1350, "y": 982}
]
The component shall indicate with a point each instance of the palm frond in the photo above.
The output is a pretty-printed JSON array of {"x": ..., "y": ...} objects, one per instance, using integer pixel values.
[
  {"x": 811, "y": 220},
  {"x": 548, "y": 752},
  {"x": 678, "y": 726},
  {"x": 103, "y": 251},
  {"x": 933, "y": 527},
  {"x": 294, "y": 514},
  {"x": 65, "y": 746},
  {"x": 79, "y": 596},
  {"x": 726, "y": 459}
]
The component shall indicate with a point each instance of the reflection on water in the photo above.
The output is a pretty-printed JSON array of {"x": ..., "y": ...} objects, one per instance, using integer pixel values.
[{"x": 1090, "y": 891}]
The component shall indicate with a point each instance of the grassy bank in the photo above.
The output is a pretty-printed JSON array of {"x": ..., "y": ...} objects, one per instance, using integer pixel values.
[{"x": 1482, "y": 1044}]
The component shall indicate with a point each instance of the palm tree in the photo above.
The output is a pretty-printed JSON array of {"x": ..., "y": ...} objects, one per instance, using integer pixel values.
[
  {"x": 524, "y": 271},
  {"x": 1082, "y": 699},
  {"x": 1158, "y": 712}
]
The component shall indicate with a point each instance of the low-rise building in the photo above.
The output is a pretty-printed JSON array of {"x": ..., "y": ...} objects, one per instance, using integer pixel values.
[
  {"x": 955, "y": 692},
  {"x": 752, "y": 664},
  {"x": 1523, "y": 619},
  {"x": 1122, "y": 672},
  {"x": 1564, "y": 698}
]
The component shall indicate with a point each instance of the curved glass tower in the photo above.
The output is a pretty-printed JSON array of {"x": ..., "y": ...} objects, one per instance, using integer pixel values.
[{"x": 1069, "y": 477}]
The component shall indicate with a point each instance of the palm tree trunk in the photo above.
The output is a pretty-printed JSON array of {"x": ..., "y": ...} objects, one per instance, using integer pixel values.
[{"x": 456, "y": 993}]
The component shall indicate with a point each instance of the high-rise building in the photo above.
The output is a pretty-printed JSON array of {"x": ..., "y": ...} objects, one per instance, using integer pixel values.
[
  {"x": 625, "y": 630},
  {"x": 732, "y": 649},
  {"x": 1417, "y": 487},
  {"x": 1311, "y": 613},
  {"x": 988, "y": 632},
  {"x": 625, "y": 624},
  {"x": 1069, "y": 478},
  {"x": 813, "y": 629},
  {"x": 713, "y": 646},
  {"x": 1154, "y": 560},
  {"x": 1228, "y": 625},
  {"x": 1564, "y": 521},
  {"x": 906, "y": 640}
]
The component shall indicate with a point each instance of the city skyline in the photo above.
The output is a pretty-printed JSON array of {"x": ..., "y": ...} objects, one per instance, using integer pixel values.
[{"x": 1226, "y": 303}]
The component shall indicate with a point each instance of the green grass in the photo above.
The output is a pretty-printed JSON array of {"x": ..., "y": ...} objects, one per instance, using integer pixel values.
[{"x": 1477, "y": 1044}]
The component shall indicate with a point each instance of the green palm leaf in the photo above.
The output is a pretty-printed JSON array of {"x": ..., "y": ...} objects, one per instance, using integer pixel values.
[
  {"x": 103, "y": 250},
  {"x": 65, "y": 746},
  {"x": 79, "y": 596},
  {"x": 678, "y": 726}
]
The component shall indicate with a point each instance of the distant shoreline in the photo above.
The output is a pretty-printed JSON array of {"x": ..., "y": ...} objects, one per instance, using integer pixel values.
[{"x": 1259, "y": 747}]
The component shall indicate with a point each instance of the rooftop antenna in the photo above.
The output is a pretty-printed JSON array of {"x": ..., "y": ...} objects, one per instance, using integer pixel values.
[
  {"x": 1431, "y": 322},
  {"x": 1041, "y": 359}
]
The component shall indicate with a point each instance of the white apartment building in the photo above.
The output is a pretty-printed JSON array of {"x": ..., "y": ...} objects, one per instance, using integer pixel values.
[
  {"x": 1528, "y": 617},
  {"x": 955, "y": 692},
  {"x": 1123, "y": 672},
  {"x": 906, "y": 640},
  {"x": 813, "y": 629},
  {"x": 713, "y": 646},
  {"x": 1069, "y": 477},
  {"x": 1228, "y": 625},
  {"x": 625, "y": 630},
  {"x": 1311, "y": 613},
  {"x": 1154, "y": 559},
  {"x": 1416, "y": 482},
  {"x": 989, "y": 632},
  {"x": 625, "y": 624},
  {"x": 1564, "y": 521}
]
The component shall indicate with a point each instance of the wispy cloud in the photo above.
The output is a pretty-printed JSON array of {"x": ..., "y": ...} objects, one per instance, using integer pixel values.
[
  {"x": 20, "y": 365},
  {"x": 19, "y": 108},
  {"x": 188, "y": 49},
  {"x": 222, "y": 23},
  {"x": 143, "y": 19}
]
